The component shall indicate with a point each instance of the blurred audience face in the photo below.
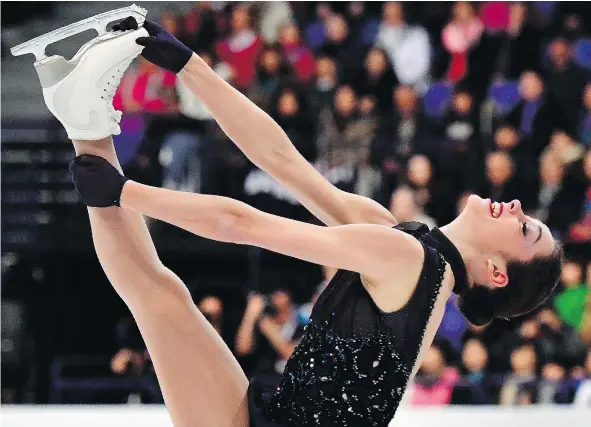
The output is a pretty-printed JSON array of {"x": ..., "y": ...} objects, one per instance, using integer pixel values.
[
  {"x": 269, "y": 61},
  {"x": 498, "y": 168},
  {"x": 587, "y": 97},
  {"x": 170, "y": 22},
  {"x": 530, "y": 86},
  {"x": 571, "y": 275},
  {"x": 553, "y": 372},
  {"x": 560, "y": 143},
  {"x": 506, "y": 138},
  {"x": 392, "y": 13},
  {"x": 367, "y": 105},
  {"x": 474, "y": 356},
  {"x": 375, "y": 63},
  {"x": 282, "y": 303},
  {"x": 419, "y": 170},
  {"x": 326, "y": 68},
  {"x": 211, "y": 307},
  {"x": 288, "y": 104},
  {"x": 463, "y": 12},
  {"x": 523, "y": 360},
  {"x": 240, "y": 19},
  {"x": 323, "y": 10},
  {"x": 517, "y": 16},
  {"x": 434, "y": 363},
  {"x": 405, "y": 100},
  {"x": 403, "y": 205},
  {"x": 549, "y": 318},
  {"x": 345, "y": 101},
  {"x": 529, "y": 329},
  {"x": 356, "y": 8},
  {"x": 560, "y": 53},
  {"x": 289, "y": 35},
  {"x": 207, "y": 58},
  {"x": 551, "y": 169},
  {"x": 336, "y": 28},
  {"x": 462, "y": 103}
]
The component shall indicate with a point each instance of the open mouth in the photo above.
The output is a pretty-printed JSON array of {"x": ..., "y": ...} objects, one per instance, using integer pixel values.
[{"x": 496, "y": 209}]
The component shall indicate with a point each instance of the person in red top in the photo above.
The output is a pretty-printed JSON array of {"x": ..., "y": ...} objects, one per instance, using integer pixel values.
[
  {"x": 241, "y": 49},
  {"x": 299, "y": 56}
]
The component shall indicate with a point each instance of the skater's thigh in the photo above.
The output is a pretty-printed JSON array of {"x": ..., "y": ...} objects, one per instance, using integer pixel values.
[{"x": 201, "y": 381}]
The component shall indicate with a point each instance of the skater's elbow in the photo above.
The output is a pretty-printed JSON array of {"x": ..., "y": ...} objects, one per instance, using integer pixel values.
[{"x": 235, "y": 223}]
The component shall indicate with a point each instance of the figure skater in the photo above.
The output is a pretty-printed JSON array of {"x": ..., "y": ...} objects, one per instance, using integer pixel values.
[{"x": 375, "y": 319}]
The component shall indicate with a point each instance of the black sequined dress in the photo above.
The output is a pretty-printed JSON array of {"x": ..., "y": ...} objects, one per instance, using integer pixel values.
[{"x": 354, "y": 361}]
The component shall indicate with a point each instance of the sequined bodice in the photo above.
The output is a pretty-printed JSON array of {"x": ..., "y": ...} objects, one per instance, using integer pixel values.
[{"x": 354, "y": 361}]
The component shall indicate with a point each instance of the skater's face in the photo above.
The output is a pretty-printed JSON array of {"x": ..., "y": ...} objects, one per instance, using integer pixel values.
[{"x": 504, "y": 233}]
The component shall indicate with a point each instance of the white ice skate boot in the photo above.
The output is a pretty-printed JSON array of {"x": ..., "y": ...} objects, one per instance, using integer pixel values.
[{"x": 79, "y": 92}]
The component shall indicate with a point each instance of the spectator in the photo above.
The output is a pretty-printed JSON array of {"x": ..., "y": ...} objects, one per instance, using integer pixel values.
[
  {"x": 146, "y": 89},
  {"x": 299, "y": 56},
  {"x": 377, "y": 79},
  {"x": 241, "y": 49},
  {"x": 212, "y": 309},
  {"x": 272, "y": 15},
  {"x": 316, "y": 30},
  {"x": 536, "y": 115},
  {"x": 344, "y": 138},
  {"x": 553, "y": 387},
  {"x": 517, "y": 387},
  {"x": 552, "y": 196},
  {"x": 473, "y": 389},
  {"x": 499, "y": 183},
  {"x": 305, "y": 310},
  {"x": 557, "y": 341},
  {"x": 407, "y": 47},
  {"x": 271, "y": 72},
  {"x": 340, "y": 45},
  {"x": 290, "y": 113},
  {"x": 202, "y": 26},
  {"x": 363, "y": 26},
  {"x": 462, "y": 152},
  {"x": 585, "y": 118},
  {"x": 566, "y": 81},
  {"x": 324, "y": 88},
  {"x": 580, "y": 231},
  {"x": 398, "y": 137},
  {"x": 183, "y": 150},
  {"x": 583, "y": 392},
  {"x": 270, "y": 331},
  {"x": 570, "y": 302},
  {"x": 459, "y": 36},
  {"x": 435, "y": 380},
  {"x": 524, "y": 165},
  {"x": 404, "y": 208},
  {"x": 521, "y": 50}
]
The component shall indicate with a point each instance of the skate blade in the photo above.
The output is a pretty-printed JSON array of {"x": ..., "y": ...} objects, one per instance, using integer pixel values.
[{"x": 99, "y": 23}]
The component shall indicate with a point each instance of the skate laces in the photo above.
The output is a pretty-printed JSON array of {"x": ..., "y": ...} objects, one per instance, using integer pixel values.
[{"x": 110, "y": 89}]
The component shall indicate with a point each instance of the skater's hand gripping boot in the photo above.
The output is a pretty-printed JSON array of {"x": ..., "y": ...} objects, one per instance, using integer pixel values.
[
  {"x": 161, "y": 48},
  {"x": 98, "y": 183}
]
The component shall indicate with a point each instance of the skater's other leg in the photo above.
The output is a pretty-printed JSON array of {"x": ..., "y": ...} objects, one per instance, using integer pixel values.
[{"x": 202, "y": 383}]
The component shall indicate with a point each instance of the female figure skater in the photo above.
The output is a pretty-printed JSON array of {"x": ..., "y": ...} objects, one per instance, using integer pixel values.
[{"x": 375, "y": 319}]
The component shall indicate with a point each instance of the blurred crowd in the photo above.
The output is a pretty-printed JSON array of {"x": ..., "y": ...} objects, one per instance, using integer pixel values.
[{"x": 416, "y": 106}]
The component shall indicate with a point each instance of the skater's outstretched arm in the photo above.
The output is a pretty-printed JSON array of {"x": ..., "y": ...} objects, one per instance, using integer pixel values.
[
  {"x": 257, "y": 135},
  {"x": 376, "y": 251}
]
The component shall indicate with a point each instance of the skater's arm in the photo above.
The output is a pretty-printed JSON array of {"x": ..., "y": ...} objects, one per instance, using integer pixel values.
[
  {"x": 373, "y": 250},
  {"x": 267, "y": 146}
]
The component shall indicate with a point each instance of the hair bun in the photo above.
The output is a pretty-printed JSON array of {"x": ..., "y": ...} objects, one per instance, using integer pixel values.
[{"x": 477, "y": 305}]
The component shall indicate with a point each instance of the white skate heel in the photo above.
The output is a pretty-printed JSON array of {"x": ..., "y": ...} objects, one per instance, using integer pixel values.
[{"x": 79, "y": 92}]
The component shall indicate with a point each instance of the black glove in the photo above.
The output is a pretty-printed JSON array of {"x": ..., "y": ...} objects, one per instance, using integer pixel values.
[
  {"x": 161, "y": 48},
  {"x": 97, "y": 181}
]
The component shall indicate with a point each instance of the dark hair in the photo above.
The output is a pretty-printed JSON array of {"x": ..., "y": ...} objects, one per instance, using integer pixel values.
[{"x": 530, "y": 285}]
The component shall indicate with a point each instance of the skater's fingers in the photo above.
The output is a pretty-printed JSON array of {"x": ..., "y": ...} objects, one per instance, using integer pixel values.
[
  {"x": 152, "y": 28},
  {"x": 147, "y": 41}
]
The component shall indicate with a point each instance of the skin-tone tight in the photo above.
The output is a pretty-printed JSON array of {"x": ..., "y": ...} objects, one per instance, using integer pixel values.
[{"x": 202, "y": 383}]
